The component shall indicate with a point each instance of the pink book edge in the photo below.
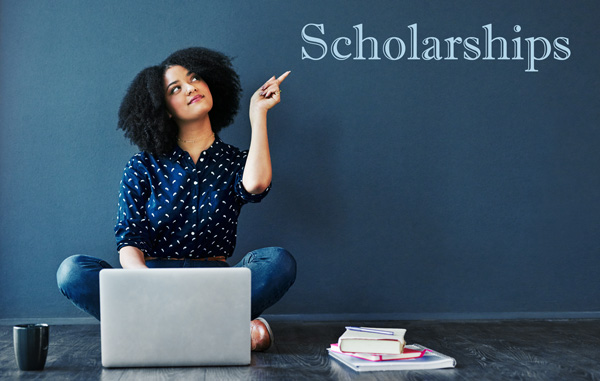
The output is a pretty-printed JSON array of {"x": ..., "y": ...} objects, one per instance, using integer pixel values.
[{"x": 335, "y": 348}]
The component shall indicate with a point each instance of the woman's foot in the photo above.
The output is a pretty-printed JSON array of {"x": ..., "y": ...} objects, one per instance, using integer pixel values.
[{"x": 261, "y": 336}]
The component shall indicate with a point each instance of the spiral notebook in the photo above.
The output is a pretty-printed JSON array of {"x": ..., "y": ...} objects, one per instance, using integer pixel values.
[{"x": 430, "y": 360}]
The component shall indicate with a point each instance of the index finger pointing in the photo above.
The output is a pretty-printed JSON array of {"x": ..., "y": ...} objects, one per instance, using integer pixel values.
[{"x": 283, "y": 76}]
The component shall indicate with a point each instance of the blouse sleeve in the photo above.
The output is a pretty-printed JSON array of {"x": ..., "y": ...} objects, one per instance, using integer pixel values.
[
  {"x": 242, "y": 194},
  {"x": 246, "y": 196},
  {"x": 133, "y": 227}
]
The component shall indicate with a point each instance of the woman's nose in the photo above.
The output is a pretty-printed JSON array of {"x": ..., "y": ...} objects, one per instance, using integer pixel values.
[{"x": 190, "y": 89}]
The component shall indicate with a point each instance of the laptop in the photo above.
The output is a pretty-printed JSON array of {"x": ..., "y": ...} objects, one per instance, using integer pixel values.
[{"x": 175, "y": 317}]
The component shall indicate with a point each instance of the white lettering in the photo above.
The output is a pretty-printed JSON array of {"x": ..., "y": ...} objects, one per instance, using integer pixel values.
[
  {"x": 334, "y": 48},
  {"x": 434, "y": 51},
  {"x": 394, "y": 48},
  {"x": 314, "y": 41},
  {"x": 414, "y": 55},
  {"x": 489, "y": 42},
  {"x": 359, "y": 44},
  {"x": 562, "y": 48},
  {"x": 473, "y": 48},
  {"x": 517, "y": 44},
  {"x": 450, "y": 42},
  {"x": 532, "y": 57},
  {"x": 387, "y": 51}
]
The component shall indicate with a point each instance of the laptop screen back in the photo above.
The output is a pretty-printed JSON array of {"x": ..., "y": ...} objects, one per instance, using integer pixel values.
[{"x": 175, "y": 317}]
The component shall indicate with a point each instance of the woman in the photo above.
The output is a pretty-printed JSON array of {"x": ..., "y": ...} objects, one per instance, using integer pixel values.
[{"x": 181, "y": 196}]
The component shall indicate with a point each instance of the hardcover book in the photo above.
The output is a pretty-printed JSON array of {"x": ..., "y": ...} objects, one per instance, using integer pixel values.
[
  {"x": 406, "y": 354},
  {"x": 372, "y": 340}
]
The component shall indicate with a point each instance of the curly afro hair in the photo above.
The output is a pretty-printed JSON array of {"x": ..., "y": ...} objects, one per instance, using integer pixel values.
[{"x": 143, "y": 113}]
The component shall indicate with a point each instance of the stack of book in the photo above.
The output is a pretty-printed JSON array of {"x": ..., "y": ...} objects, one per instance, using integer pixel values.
[{"x": 370, "y": 349}]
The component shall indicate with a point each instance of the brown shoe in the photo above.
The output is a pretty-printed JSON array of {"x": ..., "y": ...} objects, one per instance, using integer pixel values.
[{"x": 261, "y": 336}]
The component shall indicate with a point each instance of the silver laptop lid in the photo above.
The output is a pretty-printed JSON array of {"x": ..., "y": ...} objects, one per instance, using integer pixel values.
[{"x": 175, "y": 317}]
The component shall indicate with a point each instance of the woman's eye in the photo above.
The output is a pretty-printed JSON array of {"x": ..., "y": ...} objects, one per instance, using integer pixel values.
[
  {"x": 174, "y": 89},
  {"x": 195, "y": 78}
]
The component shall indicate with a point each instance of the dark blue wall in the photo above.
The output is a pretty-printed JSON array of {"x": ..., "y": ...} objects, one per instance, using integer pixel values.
[{"x": 408, "y": 188}]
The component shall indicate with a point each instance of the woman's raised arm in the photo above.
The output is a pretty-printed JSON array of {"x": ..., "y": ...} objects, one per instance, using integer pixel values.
[{"x": 258, "y": 172}]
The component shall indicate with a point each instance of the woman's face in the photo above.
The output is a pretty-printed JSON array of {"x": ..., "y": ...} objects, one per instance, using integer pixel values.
[{"x": 187, "y": 95}]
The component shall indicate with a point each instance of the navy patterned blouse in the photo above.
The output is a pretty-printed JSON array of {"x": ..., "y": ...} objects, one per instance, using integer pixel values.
[{"x": 170, "y": 207}]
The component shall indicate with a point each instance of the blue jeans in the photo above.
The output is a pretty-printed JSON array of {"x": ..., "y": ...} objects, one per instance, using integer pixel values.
[{"x": 273, "y": 272}]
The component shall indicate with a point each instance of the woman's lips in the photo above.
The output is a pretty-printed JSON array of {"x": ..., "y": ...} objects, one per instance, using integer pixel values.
[{"x": 195, "y": 99}]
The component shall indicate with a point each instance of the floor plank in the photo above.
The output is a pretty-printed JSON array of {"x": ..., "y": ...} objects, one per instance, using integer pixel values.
[{"x": 490, "y": 350}]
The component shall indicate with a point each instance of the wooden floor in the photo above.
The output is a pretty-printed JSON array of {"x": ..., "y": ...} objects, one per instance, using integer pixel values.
[{"x": 484, "y": 350}]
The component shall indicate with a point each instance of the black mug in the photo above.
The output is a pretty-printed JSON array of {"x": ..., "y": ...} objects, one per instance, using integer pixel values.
[{"x": 31, "y": 345}]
